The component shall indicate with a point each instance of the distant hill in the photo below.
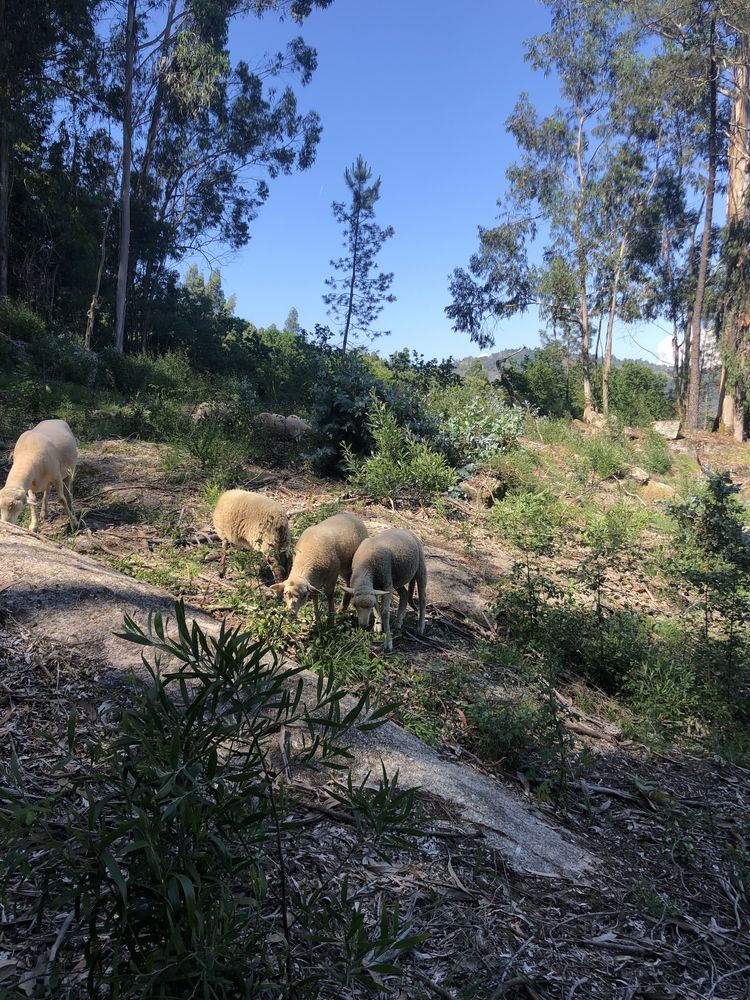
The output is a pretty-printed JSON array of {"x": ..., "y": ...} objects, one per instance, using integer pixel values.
[
  {"x": 709, "y": 381},
  {"x": 489, "y": 361}
]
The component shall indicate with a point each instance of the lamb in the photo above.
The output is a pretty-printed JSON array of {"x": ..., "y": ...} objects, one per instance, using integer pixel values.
[
  {"x": 280, "y": 426},
  {"x": 324, "y": 553},
  {"x": 250, "y": 521},
  {"x": 392, "y": 560},
  {"x": 44, "y": 456}
]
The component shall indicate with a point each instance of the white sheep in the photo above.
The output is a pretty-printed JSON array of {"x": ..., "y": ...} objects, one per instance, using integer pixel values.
[
  {"x": 44, "y": 456},
  {"x": 391, "y": 560},
  {"x": 324, "y": 552},
  {"x": 253, "y": 521},
  {"x": 293, "y": 427},
  {"x": 213, "y": 410}
]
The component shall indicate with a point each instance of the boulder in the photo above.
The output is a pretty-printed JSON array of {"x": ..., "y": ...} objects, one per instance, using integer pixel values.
[
  {"x": 637, "y": 475},
  {"x": 653, "y": 492},
  {"x": 73, "y": 602},
  {"x": 670, "y": 429}
]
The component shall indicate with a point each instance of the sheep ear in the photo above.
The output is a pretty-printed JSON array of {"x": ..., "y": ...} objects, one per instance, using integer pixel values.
[
  {"x": 381, "y": 593},
  {"x": 278, "y": 587},
  {"x": 348, "y": 590},
  {"x": 313, "y": 590}
]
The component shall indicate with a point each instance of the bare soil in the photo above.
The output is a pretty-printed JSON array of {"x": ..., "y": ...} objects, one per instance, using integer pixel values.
[{"x": 662, "y": 912}]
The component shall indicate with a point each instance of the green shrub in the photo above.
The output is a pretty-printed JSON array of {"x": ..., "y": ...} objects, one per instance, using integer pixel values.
[
  {"x": 65, "y": 360},
  {"x": 342, "y": 412},
  {"x": 19, "y": 322},
  {"x": 606, "y": 457},
  {"x": 400, "y": 464},
  {"x": 173, "y": 845},
  {"x": 483, "y": 429},
  {"x": 532, "y": 520},
  {"x": 639, "y": 395},
  {"x": 516, "y": 471},
  {"x": 655, "y": 454}
]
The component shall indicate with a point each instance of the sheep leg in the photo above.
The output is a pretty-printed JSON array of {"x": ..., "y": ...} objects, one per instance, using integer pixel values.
[
  {"x": 67, "y": 482},
  {"x": 316, "y": 609},
  {"x": 63, "y": 492},
  {"x": 347, "y": 597},
  {"x": 403, "y": 600},
  {"x": 223, "y": 559},
  {"x": 43, "y": 506},
  {"x": 422, "y": 588},
  {"x": 385, "y": 618},
  {"x": 31, "y": 501},
  {"x": 331, "y": 608}
]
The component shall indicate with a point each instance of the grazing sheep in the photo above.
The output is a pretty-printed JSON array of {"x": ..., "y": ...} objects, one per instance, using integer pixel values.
[
  {"x": 293, "y": 427},
  {"x": 392, "y": 560},
  {"x": 253, "y": 521},
  {"x": 324, "y": 553},
  {"x": 213, "y": 410},
  {"x": 44, "y": 456}
]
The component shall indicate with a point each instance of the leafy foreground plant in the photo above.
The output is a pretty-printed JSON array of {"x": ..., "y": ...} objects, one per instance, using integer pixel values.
[
  {"x": 399, "y": 464},
  {"x": 170, "y": 848}
]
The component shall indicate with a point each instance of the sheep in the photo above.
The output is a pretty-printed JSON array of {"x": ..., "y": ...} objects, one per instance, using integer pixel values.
[
  {"x": 213, "y": 410},
  {"x": 391, "y": 560},
  {"x": 44, "y": 456},
  {"x": 250, "y": 521},
  {"x": 293, "y": 427},
  {"x": 324, "y": 553}
]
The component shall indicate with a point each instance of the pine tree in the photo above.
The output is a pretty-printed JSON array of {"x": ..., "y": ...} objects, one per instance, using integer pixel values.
[{"x": 357, "y": 296}]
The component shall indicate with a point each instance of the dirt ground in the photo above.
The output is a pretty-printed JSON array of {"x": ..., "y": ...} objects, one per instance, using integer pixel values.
[{"x": 664, "y": 911}]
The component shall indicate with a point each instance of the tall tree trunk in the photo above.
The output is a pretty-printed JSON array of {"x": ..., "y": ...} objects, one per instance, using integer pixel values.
[
  {"x": 4, "y": 157},
  {"x": 153, "y": 128},
  {"x": 694, "y": 387},
  {"x": 607, "y": 366},
  {"x": 127, "y": 150},
  {"x": 351, "y": 284},
  {"x": 737, "y": 315},
  {"x": 95, "y": 298},
  {"x": 581, "y": 255},
  {"x": 4, "y": 194}
]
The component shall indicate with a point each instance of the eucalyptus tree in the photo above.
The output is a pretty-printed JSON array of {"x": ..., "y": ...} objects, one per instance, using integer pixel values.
[
  {"x": 205, "y": 135},
  {"x": 357, "y": 297},
  {"x": 43, "y": 46},
  {"x": 554, "y": 191},
  {"x": 733, "y": 318}
]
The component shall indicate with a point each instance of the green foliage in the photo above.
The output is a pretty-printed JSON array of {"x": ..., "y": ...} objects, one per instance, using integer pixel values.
[
  {"x": 345, "y": 655},
  {"x": 18, "y": 322},
  {"x": 483, "y": 429},
  {"x": 531, "y": 520},
  {"x": 358, "y": 291},
  {"x": 655, "y": 454},
  {"x": 65, "y": 360},
  {"x": 400, "y": 464},
  {"x": 516, "y": 471},
  {"x": 638, "y": 395},
  {"x": 172, "y": 844},
  {"x": 342, "y": 410},
  {"x": 607, "y": 457}
]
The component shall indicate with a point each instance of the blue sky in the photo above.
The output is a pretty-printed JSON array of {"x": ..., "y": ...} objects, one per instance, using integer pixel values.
[{"x": 421, "y": 89}]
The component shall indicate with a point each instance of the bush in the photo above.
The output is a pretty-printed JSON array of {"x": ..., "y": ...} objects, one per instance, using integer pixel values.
[
  {"x": 655, "y": 454},
  {"x": 342, "y": 410},
  {"x": 65, "y": 360},
  {"x": 19, "y": 322},
  {"x": 639, "y": 395},
  {"x": 172, "y": 845},
  {"x": 483, "y": 429},
  {"x": 400, "y": 464},
  {"x": 606, "y": 457}
]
